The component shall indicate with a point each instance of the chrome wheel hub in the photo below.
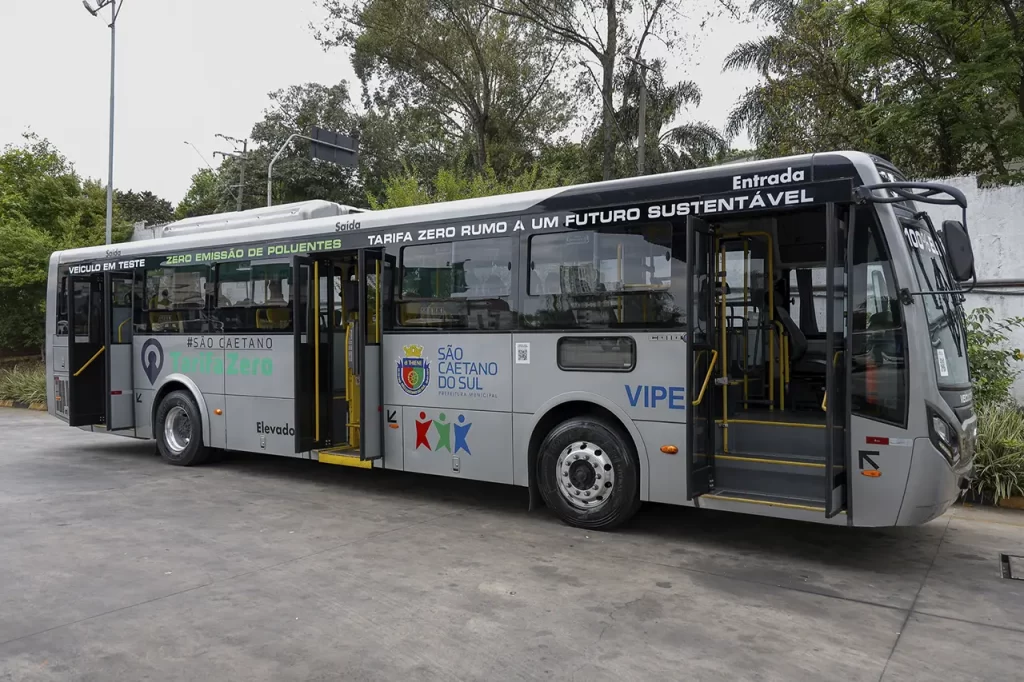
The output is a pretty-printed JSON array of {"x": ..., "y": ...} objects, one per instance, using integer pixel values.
[
  {"x": 586, "y": 477},
  {"x": 177, "y": 429}
]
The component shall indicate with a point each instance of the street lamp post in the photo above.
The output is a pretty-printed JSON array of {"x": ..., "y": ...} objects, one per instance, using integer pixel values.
[
  {"x": 115, "y": 9},
  {"x": 314, "y": 140}
]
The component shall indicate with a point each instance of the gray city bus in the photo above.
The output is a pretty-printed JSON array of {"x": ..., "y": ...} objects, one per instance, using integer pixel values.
[{"x": 781, "y": 337}]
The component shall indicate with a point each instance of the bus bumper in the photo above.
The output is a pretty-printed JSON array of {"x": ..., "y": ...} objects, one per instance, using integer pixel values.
[{"x": 933, "y": 485}]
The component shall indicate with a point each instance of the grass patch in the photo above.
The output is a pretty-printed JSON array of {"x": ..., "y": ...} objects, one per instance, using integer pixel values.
[
  {"x": 24, "y": 383},
  {"x": 999, "y": 463}
]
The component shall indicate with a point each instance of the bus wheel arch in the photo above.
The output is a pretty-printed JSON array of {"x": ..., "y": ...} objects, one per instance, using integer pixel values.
[
  {"x": 182, "y": 383},
  {"x": 175, "y": 424},
  {"x": 590, "y": 410}
]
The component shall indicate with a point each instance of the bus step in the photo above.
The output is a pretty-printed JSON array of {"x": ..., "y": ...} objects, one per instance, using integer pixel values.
[
  {"x": 781, "y": 501},
  {"x": 772, "y": 459},
  {"x": 771, "y": 474},
  {"x": 343, "y": 455}
]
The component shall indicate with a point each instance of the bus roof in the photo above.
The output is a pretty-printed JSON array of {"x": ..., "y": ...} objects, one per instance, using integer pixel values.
[{"x": 583, "y": 196}]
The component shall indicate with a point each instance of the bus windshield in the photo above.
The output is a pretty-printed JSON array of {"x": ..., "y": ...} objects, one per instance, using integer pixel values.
[{"x": 943, "y": 311}]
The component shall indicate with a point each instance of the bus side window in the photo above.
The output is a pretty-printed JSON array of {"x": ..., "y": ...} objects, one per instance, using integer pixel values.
[
  {"x": 460, "y": 285},
  {"x": 254, "y": 296},
  {"x": 630, "y": 276},
  {"x": 175, "y": 300}
]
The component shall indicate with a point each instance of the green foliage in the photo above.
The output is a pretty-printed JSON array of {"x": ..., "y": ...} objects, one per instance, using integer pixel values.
[
  {"x": 448, "y": 184},
  {"x": 44, "y": 205},
  {"x": 143, "y": 206},
  {"x": 297, "y": 177},
  {"x": 25, "y": 383},
  {"x": 999, "y": 461},
  {"x": 992, "y": 363},
  {"x": 934, "y": 86},
  {"x": 487, "y": 84},
  {"x": 201, "y": 197}
]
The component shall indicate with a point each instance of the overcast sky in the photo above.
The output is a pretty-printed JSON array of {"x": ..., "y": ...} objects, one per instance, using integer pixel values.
[{"x": 189, "y": 69}]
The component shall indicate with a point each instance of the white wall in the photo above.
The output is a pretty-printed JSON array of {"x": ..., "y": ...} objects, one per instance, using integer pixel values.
[{"x": 995, "y": 218}]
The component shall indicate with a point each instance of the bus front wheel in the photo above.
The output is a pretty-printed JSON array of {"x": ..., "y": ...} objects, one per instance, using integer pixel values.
[
  {"x": 588, "y": 475},
  {"x": 179, "y": 430}
]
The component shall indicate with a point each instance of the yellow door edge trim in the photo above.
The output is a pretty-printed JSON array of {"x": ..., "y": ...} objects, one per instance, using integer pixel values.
[
  {"x": 346, "y": 461},
  {"x": 762, "y": 460},
  {"x": 767, "y": 423},
  {"x": 767, "y": 503}
]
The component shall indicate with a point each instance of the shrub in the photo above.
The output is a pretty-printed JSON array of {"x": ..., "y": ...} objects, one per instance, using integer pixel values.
[
  {"x": 24, "y": 383},
  {"x": 991, "y": 361},
  {"x": 999, "y": 462}
]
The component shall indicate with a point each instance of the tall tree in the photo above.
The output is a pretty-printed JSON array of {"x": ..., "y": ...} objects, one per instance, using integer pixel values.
[
  {"x": 482, "y": 79},
  {"x": 202, "y": 197},
  {"x": 669, "y": 144},
  {"x": 44, "y": 205},
  {"x": 143, "y": 206},
  {"x": 934, "y": 86},
  {"x": 297, "y": 177},
  {"x": 595, "y": 28}
]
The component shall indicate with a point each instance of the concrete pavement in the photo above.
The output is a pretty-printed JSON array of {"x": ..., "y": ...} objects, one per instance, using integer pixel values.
[{"x": 115, "y": 566}]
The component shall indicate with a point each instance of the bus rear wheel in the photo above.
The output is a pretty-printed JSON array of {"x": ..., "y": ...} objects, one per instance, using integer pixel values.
[
  {"x": 179, "y": 430},
  {"x": 588, "y": 474}
]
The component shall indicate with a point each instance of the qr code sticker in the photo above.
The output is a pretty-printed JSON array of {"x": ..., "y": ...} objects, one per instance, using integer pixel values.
[{"x": 522, "y": 353}]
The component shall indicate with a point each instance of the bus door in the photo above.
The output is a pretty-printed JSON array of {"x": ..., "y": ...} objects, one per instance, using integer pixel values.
[
  {"x": 701, "y": 358},
  {"x": 87, "y": 382},
  {"x": 312, "y": 339},
  {"x": 838, "y": 236},
  {"x": 371, "y": 274},
  {"x": 119, "y": 301}
]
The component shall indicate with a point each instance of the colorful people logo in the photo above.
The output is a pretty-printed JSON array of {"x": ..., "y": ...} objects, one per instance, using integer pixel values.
[
  {"x": 413, "y": 370},
  {"x": 443, "y": 431}
]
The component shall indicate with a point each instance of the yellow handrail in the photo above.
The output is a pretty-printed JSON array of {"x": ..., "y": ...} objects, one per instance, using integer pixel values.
[
  {"x": 89, "y": 361},
  {"x": 824, "y": 400},
  {"x": 119, "y": 329},
  {"x": 707, "y": 378}
]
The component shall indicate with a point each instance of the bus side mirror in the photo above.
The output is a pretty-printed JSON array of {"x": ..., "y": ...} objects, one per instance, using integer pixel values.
[{"x": 958, "y": 250}]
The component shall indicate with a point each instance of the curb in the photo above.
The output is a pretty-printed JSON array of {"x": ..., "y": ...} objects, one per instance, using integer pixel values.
[
  {"x": 39, "y": 407},
  {"x": 1012, "y": 503}
]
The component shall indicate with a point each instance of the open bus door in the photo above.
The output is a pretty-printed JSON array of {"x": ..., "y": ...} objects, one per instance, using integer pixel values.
[
  {"x": 371, "y": 268},
  {"x": 701, "y": 357},
  {"x": 312, "y": 340},
  {"x": 119, "y": 301},
  {"x": 86, "y": 379},
  {"x": 837, "y": 335},
  {"x": 100, "y": 350}
]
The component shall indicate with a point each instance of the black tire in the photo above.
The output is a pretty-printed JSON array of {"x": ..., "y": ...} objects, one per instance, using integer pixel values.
[
  {"x": 599, "y": 471},
  {"x": 179, "y": 406}
]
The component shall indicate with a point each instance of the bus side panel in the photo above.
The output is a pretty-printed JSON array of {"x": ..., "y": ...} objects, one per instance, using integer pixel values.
[
  {"x": 260, "y": 425},
  {"x": 57, "y": 383},
  {"x": 875, "y": 498},
  {"x": 667, "y": 473},
  {"x": 650, "y": 388},
  {"x": 455, "y": 395},
  {"x": 143, "y": 400}
]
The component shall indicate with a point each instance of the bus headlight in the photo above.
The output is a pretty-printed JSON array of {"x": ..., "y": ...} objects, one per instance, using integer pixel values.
[{"x": 944, "y": 437}]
